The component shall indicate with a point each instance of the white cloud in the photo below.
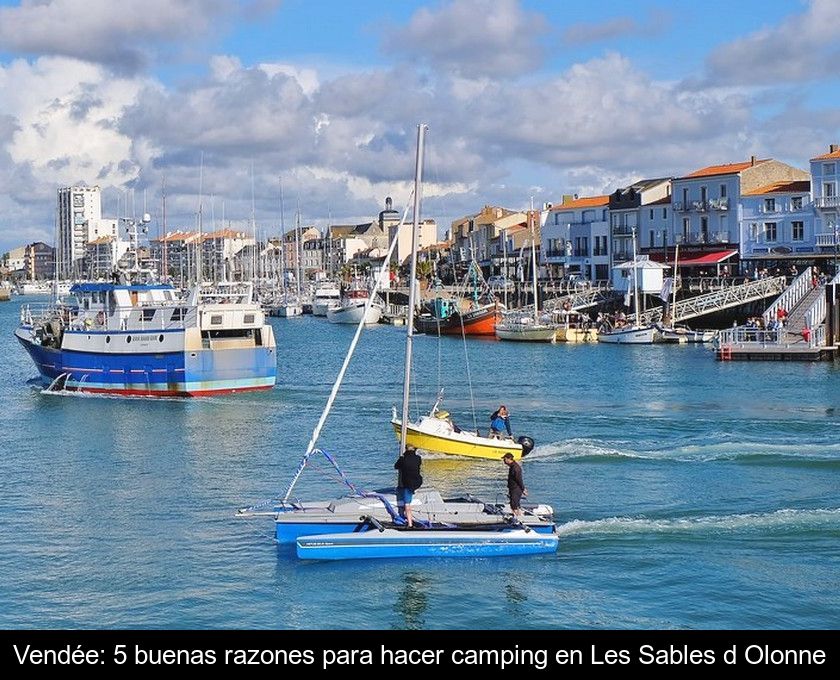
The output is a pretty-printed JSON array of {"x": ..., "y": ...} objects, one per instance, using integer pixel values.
[
  {"x": 119, "y": 34},
  {"x": 803, "y": 47},
  {"x": 616, "y": 27},
  {"x": 474, "y": 38}
]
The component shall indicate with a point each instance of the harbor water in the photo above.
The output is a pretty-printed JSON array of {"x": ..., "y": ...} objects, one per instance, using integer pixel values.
[{"x": 689, "y": 493}]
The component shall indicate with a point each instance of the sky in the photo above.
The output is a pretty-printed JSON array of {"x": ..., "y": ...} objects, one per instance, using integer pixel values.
[{"x": 225, "y": 103}]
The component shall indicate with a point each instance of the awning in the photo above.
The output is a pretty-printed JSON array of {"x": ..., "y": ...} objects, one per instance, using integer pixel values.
[{"x": 715, "y": 257}]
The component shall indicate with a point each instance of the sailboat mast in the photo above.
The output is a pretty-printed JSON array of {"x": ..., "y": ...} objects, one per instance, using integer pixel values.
[
  {"x": 534, "y": 263},
  {"x": 674, "y": 282},
  {"x": 636, "y": 282},
  {"x": 412, "y": 284}
]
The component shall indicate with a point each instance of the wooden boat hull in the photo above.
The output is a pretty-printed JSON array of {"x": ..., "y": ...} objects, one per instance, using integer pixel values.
[
  {"x": 633, "y": 335},
  {"x": 577, "y": 335},
  {"x": 524, "y": 333},
  {"x": 476, "y": 322}
]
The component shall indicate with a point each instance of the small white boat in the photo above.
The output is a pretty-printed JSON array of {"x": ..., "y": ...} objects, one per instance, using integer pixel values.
[
  {"x": 683, "y": 334},
  {"x": 354, "y": 307},
  {"x": 327, "y": 296},
  {"x": 629, "y": 335}
]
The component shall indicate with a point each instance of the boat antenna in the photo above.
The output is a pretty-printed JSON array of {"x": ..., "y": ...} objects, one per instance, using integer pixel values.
[{"x": 412, "y": 284}]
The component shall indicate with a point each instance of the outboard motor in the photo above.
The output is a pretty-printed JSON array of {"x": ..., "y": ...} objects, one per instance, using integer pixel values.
[{"x": 527, "y": 445}]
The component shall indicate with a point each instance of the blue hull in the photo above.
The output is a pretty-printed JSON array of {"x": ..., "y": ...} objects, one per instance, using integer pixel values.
[
  {"x": 412, "y": 544},
  {"x": 287, "y": 534},
  {"x": 190, "y": 373}
]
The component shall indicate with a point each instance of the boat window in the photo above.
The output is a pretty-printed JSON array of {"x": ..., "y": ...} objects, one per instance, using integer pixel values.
[
  {"x": 249, "y": 318},
  {"x": 216, "y": 320},
  {"x": 148, "y": 314},
  {"x": 178, "y": 313}
]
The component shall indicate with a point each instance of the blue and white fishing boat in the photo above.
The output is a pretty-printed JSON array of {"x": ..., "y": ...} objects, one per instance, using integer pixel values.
[
  {"x": 144, "y": 339},
  {"x": 370, "y": 524}
]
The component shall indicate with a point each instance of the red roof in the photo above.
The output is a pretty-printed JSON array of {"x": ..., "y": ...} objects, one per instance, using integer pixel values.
[
  {"x": 786, "y": 187},
  {"x": 585, "y": 202},
  {"x": 728, "y": 169},
  {"x": 827, "y": 156}
]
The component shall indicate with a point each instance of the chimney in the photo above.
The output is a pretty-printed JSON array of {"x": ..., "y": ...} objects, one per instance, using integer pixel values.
[
  {"x": 833, "y": 147},
  {"x": 752, "y": 161}
]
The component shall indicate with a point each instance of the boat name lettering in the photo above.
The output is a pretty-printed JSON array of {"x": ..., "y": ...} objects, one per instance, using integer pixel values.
[{"x": 143, "y": 338}]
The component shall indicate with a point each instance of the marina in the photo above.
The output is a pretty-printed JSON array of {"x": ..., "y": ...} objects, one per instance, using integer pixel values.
[{"x": 621, "y": 472}]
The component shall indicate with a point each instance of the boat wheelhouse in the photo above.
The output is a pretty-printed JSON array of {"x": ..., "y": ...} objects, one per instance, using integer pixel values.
[{"x": 145, "y": 339}]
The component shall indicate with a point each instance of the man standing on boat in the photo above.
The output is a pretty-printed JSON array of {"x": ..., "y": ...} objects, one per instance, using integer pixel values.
[
  {"x": 409, "y": 481},
  {"x": 515, "y": 483}
]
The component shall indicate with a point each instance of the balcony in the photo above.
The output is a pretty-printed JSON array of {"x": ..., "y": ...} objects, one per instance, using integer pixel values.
[
  {"x": 700, "y": 206},
  {"x": 827, "y": 240},
  {"x": 827, "y": 202},
  {"x": 719, "y": 237},
  {"x": 719, "y": 204},
  {"x": 560, "y": 252},
  {"x": 679, "y": 206},
  {"x": 622, "y": 230}
]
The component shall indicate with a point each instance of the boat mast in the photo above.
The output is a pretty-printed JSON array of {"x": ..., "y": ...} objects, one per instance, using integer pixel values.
[
  {"x": 505, "y": 266},
  {"x": 534, "y": 262},
  {"x": 282, "y": 241},
  {"x": 636, "y": 282},
  {"x": 412, "y": 286},
  {"x": 674, "y": 282},
  {"x": 298, "y": 239}
]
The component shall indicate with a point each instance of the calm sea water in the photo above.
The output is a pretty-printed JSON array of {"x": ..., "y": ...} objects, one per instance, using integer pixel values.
[{"x": 689, "y": 493}]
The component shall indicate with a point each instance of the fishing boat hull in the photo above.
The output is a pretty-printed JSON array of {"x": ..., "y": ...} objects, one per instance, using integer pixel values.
[
  {"x": 430, "y": 434},
  {"x": 526, "y": 333},
  {"x": 577, "y": 335},
  {"x": 480, "y": 321},
  {"x": 632, "y": 335},
  {"x": 412, "y": 543},
  {"x": 149, "y": 371},
  {"x": 684, "y": 335},
  {"x": 354, "y": 313}
]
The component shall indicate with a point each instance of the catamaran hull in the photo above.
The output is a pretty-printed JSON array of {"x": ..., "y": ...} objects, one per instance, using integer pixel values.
[
  {"x": 465, "y": 445},
  {"x": 477, "y": 322},
  {"x": 394, "y": 543},
  {"x": 354, "y": 314},
  {"x": 193, "y": 373}
]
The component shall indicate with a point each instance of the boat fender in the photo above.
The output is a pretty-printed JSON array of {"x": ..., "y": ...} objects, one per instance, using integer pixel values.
[{"x": 527, "y": 444}]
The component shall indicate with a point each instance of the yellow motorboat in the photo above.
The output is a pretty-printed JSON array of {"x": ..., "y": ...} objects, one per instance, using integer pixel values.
[{"x": 436, "y": 432}]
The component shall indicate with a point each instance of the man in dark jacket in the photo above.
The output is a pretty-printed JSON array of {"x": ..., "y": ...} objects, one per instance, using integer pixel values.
[
  {"x": 515, "y": 483},
  {"x": 409, "y": 481}
]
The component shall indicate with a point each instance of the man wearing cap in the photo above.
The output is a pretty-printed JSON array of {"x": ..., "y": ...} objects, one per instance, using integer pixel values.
[{"x": 515, "y": 483}]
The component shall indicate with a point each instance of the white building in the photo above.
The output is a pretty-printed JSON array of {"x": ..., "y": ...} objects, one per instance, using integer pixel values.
[
  {"x": 575, "y": 238},
  {"x": 426, "y": 236},
  {"x": 707, "y": 202},
  {"x": 777, "y": 222},
  {"x": 80, "y": 222},
  {"x": 825, "y": 187},
  {"x": 627, "y": 205}
]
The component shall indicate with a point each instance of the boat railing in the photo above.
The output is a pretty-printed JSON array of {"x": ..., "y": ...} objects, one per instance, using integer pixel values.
[{"x": 741, "y": 335}]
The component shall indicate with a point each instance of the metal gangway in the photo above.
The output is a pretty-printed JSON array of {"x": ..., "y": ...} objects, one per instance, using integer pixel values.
[
  {"x": 733, "y": 296},
  {"x": 578, "y": 299}
]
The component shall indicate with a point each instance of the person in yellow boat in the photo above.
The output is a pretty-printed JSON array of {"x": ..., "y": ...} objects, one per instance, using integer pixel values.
[
  {"x": 408, "y": 465},
  {"x": 500, "y": 421}
]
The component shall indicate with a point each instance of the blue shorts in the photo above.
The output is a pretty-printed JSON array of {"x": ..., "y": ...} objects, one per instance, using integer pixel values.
[{"x": 405, "y": 496}]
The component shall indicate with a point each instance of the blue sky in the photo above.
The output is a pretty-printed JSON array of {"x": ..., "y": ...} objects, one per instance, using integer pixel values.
[{"x": 524, "y": 98}]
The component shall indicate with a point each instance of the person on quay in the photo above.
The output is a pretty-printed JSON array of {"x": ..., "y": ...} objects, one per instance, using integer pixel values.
[
  {"x": 410, "y": 479},
  {"x": 516, "y": 484}
]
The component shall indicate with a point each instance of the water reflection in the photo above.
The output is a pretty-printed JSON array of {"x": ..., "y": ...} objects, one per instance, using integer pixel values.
[{"x": 412, "y": 601}]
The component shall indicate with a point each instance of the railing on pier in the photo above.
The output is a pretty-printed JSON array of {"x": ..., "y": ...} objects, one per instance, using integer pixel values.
[
  {"x": 798, "y": 289},
  {"x": 815, "y": 316},
  {"x": 395, "y": 311},
  {"x": 725, "y": 298}
]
